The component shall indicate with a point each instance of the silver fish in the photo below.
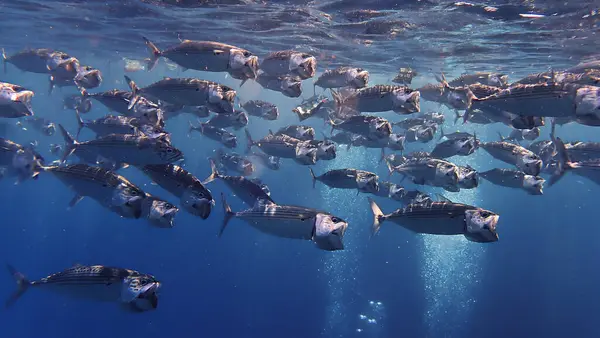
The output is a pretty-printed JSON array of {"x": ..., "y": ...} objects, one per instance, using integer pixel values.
[
  {"x": 194, "y": 197},
  {"x": 468, "y": 178},
  {"x": 262, "y": 109},
  {"x": 109, "y": 189},
  {"x": 39, "y": 124},
  {"x": 217, "y": 134},
  {"x": 430, "y": 171},
  {"x": 248, "y": 190},
  {"x": 489, "y": 79},
  {"x": 234, "y": 161},
  {"x": 207, "y": 56},
  {"x": 367, "y": 125},
  {"x": 589, "y": 169},
  {"x": 455, "y": 135},
  {"x": 286, "y": 221},
  {"x": 271, "y": 162},
  {"x": 521, "y": 135},
  {"x": 19, "y": 161},
  {"x": 517, "y": 179},
  {"x": 107, "y": 125},
  {"x": 361, "y": 180},
  {"x": 41, "y": 61},
  {"x": 381, "y": 98},
  {"x": 285, "y": 147},
  {"x": 343, "y": 77},
  {"x": 158, "y": 212},
  {"x": 136, "y": 292},
  {"x": 404, "y": 76},
  {"x": 442, "y": 218},
  {"x": 289, "y": 62},
  {"x": 319, "y": 109},
  {"x": 455, "y": 147},
  {"x": 516, "y": 155},
  {"x": 287, "y": 85},
  {"x": 237, "y": 120},
  {"x": 300, "y": 132},
  {"x": 15, "y": 101},
  {"x": 187, "y": 92}
]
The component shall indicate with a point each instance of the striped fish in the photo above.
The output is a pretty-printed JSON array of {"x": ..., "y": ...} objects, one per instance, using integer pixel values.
[
  {"x": 286, "y": 221},
  {"x": 442, "y": 218},
  {"x": 246, "y": 189},
  {"x": 133, "y": 290}
]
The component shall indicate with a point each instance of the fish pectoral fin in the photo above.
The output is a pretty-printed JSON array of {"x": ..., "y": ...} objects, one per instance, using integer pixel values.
[
  {"x": 76, "y": 199},
  {"x": 218, "y": 52}
]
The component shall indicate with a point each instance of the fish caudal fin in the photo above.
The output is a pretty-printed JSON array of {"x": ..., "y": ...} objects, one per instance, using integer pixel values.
[
  {"x": 442, "y": 133},
  {"x": 134, "y": 91},
  {"x": 22, "y": 286},
  {"x": 249, "y": 141},
  {"x": 214, "y": 172},
  {"x": 564, "y": 161},
  {"x": 313, "y": 176},
  {"x": 382, "y": 155},
  {"x": 155, "y": 54},
  {"x": 70, "y": 143},
  {"x": 228, "y": 215},
  {"x": 80, "y": 124},
  {"x": 378, "y": 217},
  {"x": 4, "y": 60}
]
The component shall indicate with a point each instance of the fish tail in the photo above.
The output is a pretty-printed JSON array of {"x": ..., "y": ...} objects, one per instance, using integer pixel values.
[
  {"x": 214, "y": 172},
  {"x": 134, "y": 91},
  {"x": 382, "y": 155},
  {"x": 553, "y": 129},
  {"x": 442, "y": 133},
  {"x": 70, "y": 143},
  {"x": 249, "y": 140},
  {"x": 325, "y": 137},
  {"x": 564, "y": 163},
  {"x": 4, "y": 60},
  {"x": 51, "y": 85},
  {"x": 190, "y": 128},
  {"x": 457, "y": 116},
  {"x": 502, "y": 138},
  {"x": 22, "y": 285},
  {"x": 243, "y": 81},
  {"x": 313, "y": 176},
  {"x": 79, "y": 123},
  {"x": 228, "y": 215},
  {"x": 155, "y": 54},
  {"x": 378, "y": 217},
  {"x": 390, "y": 168}
]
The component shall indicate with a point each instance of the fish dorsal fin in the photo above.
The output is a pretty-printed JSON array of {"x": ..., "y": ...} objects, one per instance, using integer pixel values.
[
  {"x": 218, "y": 52},
  {"x": 271, "y": 132},
  {"x": 443, "y": 198}
]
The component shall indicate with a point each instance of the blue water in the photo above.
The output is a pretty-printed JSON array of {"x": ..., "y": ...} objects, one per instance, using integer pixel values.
[{"x": 539, "y": 280}]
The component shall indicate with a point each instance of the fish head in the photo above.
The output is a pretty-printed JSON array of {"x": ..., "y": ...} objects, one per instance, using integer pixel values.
[
  {"x": 154, "y": 132},
  {"x": 587, "y": 101},
  {"x": 149, "y": 114},
  {"x": 532, "y": 134},
  {"x": 303, "y": 64},
  {"x": 49, "y": 129},
  {"x": 468, "y": 178},
  {"x": 306, "y": 132},
  {"x": 359, "y": 78},
  {"x": 447, "y": 174},
  {"x": 498, "y": 80},
  {"x": 59, "y": 59},
  {"x": 326, "y": 150},
  {"x": 406, "y": 102},
  {"x": 229, "y": 140},
  {"x": 243, "y": 63},
  {"x": 396, "y": 141},
  {"x": 481, "y": 225},
  {"x": 424, "y": 134},
  {"x": 527, "y": 122},
  {"x": 534, "y": 184},
  {"x": 459, "y": 97},
  {"x": 381, "y": 128},
  {"x": 328, "y": 233},
  {"x": 419, "y": 198},
  {"x": 159, "y": 213},
  {"x": 466, "y": 146},
  {"x": 128, "y": 201},
  {"x": 305, "y": 154},
  {"x": 139, "y": 293},
  {"x": 240, "y": 119},
  {"x": 531, "y": 164},
  {"x": 291, "y": 87},
  {"x": 246, "y": 167},
  {"x": 273, "y": 162},
  {"x": 396, "y": 192},
  {"x": 166, "y": 151},
  {"x": 27, "y": 163},
  {"x": 272, "y": 113},
  {"x": 88, "y": 77},
  {"x": 368, "y": 183},
  {"x": 197, "y": 203}
]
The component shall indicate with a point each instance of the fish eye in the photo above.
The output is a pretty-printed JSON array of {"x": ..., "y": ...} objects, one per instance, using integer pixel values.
[
  {"x": 335, "y": 219},
  {"x": 247, "y": 54},
  {"x": 485, "y": 214}
]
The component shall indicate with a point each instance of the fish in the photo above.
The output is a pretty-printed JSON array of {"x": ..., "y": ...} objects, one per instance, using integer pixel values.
[
  {"x": 326, "y": 149},
  {"x": 262, "y": 109},
  {"x": 381, "y": 98},
  {"x": 348, "y": 178},
  {"x": 130, "y": 149},
  {"x": 455, "y": 135},
  {"x": 248, "y": 190},
  {"x": 112, "y": 191},
  {"x": 516, "y": 179},
  {"x": 78, "y": 103},
  {"x": 421, "y": 134},
  {"x": 300, "y": 132},
  {"x": 489, "y": 79},
  {"x": 158, "y": 212},
  {"x": 39, "y": 124},
  {"x": 412, "y": 122},
  {"x": 430, "y": 171},
  {"x": 289, "y": 62},
  {"x": 319, "y": 109},
  {"x": 589, "y": 169},
  {"x": 237, "y": 120},
  {"x": 367, "y": 125},
  {"x": 15, "y": 101},
  {"x": 455, "y": 147},
  {"x": 115, "y": 100},
  {"x": 287, "y": 85},
  {"x": 398, "y": 193},
  {"x": 343, "y": 77},
  {"x": 583, "y": 151},
  {"x": 194, "y": 197},
  {"x": 271, "y": 162},
  {"x": 82, "y": 77},
  {"x": 134, "y": 291},
  {"x": 285, "y": 147},
  {"x": 442, "y": 218},
  {"x": 521, "y": 157},
  {"x": 589, "y": 77},
  {"x": 468, "y": 178},
  {"x": 294, "y": 222},
  {"x": 187, "y": 92},
  {"x": 221, "y": 135},
  {"x": 234, "y": 161},
  {"x": 22, "y": 162},
  {"x": 107, "y": 125},
  {"x": 404, "y": 76},
  {"x": 41, "y": 61},
  {"x": 521, "y": 135},
  {"x": 207, "y": 56}
]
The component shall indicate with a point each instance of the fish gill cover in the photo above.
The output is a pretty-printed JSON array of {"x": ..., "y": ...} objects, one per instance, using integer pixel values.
[{"x": 299, "y": 168}]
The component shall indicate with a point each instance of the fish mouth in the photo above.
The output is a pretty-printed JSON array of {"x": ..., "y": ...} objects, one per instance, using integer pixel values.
[
  {"x": 308, "y": 68},
  {"x": 201, "y": 208}
]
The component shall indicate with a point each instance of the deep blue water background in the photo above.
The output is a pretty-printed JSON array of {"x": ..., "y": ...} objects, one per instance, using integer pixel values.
[{"x": 539, "y": 280}]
